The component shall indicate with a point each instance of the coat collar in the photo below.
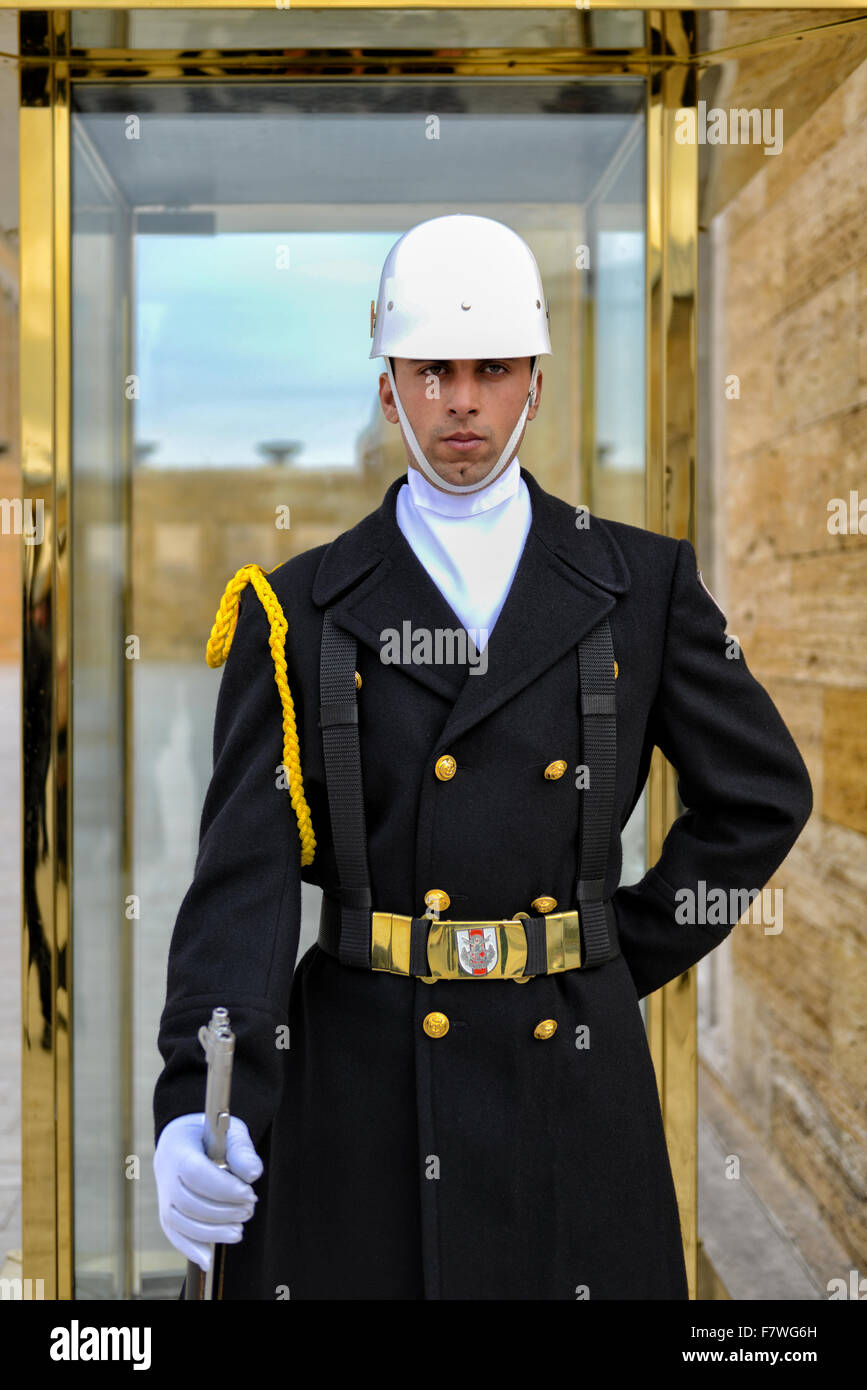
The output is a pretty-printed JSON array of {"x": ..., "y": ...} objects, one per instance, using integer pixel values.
[
  {"x": 592, "y": 552},
  {"x": 567, "y": 580}
]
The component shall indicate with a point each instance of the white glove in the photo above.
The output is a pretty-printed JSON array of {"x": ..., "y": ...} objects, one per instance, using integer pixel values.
[{"x": 199, "y": 1203}]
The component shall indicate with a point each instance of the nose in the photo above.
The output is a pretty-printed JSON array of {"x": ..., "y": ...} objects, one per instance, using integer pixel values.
[{"x": 463, "y": 393}]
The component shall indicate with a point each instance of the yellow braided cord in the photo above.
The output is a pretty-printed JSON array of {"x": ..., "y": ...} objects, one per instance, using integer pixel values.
[{"x": 218, "y": 648}]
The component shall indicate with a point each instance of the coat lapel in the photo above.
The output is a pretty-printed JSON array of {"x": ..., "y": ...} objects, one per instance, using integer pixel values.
[
  {"x": 375, "y": 584},
  {"x": 567, "y": 580}
]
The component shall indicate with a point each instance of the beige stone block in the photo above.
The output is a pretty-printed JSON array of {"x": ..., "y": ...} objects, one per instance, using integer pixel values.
[
  {"x": 817, "y": 631},
  {"x": 826, "y": 233},
  {"x": 862, "y": 331},
  {"x": 802, "y": 78},
  {"x": 757, "y": 508},
  {"x": 809, "y": 1056},
  {"x": 750, "y": 1045},
  {"x": 748, "y": 420},
  {"x": 831, "y": 588},
  {"x": 789, "y": 970},
  {"x": 756, "y": 279},
  {"x": 847, "y": 967},
  {"x": 747, "y": 205},
  {"x": 844, "y": 736},
  {"x": 810, "y": 1142},
  {"x": 759, "y": 582},
  {"x": 799, "y": 655},
  {"x": 842, "y": 866},
  {"x": 778, "y": 497},
  {"x": 854, "y": 95},
  {"x": 806, "y": 145},
  {"x": 814, "y": 353}
]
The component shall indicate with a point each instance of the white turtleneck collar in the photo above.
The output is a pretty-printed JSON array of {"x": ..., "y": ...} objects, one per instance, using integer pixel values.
[
  {"x": 424, "y": 494},
  {"x": 470, "y": 544}
]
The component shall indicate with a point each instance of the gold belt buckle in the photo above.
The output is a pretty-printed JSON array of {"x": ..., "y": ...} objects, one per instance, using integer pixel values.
[
  {"x": 473, "y": 950},
  {"x": 457, "y": 950}
]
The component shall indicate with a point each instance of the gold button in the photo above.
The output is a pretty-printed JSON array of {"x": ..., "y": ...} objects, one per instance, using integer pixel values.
[
  {"x": 445, "y": 768},
  {"x": 555, "y": 770},
  {"x": 616, "y": 670},
  {"x": 544, "y": 904},
  {"x": 437, "y": 898},
  {"x": 435, "y": 1025},
  {"x": 357, "y": 681},
  {"x": 546, "y": 1029}
]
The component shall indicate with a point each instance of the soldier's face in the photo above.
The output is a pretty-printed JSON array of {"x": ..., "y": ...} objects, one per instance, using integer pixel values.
[{"x": 483, "y": 397}]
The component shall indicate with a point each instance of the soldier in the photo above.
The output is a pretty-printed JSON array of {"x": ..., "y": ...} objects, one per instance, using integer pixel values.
[{"x": 407, "y": 1123}]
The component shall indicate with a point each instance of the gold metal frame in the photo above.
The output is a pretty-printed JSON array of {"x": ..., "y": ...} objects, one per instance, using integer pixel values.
[
  {"x": 668, "y": 61},
  {"x": 46, "y": 1115},
  {"x": 672, "y": 373},
  {"x": 61, "y": 6}
]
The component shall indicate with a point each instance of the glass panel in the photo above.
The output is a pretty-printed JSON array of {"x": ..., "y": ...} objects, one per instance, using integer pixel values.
[
  {"x": 101, "y": 975},
  {"x": 395, "y": 29},
  {"x": 246, "y": 227}
]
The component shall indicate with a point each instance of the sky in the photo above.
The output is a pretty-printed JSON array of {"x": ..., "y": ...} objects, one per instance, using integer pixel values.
[
  {"x": 232, "y": 349},
  {"x": 245, "y": 338}
]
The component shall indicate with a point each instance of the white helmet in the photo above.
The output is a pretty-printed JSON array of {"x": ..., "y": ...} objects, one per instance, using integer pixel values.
[{"x": 460, "y": 287}]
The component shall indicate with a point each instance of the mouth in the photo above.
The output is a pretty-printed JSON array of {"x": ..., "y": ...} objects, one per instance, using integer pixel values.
[{"x": 463, "y": 441}]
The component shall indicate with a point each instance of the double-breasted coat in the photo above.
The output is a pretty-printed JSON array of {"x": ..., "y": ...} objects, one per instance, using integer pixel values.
[{"x": 486, "y": 1163}]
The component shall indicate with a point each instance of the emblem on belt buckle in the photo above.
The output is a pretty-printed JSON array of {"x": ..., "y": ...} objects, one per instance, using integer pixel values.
[{"x": 477, "y": 950}]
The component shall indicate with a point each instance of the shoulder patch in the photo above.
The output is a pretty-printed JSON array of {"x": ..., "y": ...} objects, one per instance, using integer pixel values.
[{"x": 708, "y": 592}]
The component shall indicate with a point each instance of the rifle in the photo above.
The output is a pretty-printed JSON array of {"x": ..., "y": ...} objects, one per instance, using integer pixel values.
[{"x": 218, "y": 1040}]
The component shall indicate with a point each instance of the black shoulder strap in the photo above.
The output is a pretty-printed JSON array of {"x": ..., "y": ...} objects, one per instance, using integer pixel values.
[
  {"x": 338, "y": 720},
  {"x": 599, "y": 755}
]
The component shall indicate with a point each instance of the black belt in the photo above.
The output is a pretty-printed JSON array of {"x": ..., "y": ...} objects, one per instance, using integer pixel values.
[{"x": 432, "y": 949}]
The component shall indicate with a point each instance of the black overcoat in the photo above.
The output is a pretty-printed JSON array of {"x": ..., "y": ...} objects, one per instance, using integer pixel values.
[{"x": 487, "y": 1163}]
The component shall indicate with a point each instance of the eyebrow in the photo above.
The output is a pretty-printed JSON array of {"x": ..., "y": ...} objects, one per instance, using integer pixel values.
[{"x": 414, "y": 362}]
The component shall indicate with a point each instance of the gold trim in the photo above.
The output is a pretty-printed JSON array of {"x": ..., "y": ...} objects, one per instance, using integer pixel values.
[
  {"x": 40, "y": 1118},
  {"x": 65, "y": 693},
  {"x": 564, "y": 941},
  {"x": 671, "y": 385},
  {"x": 59, "y": 6},
  {"x": 389, "y": 943}
]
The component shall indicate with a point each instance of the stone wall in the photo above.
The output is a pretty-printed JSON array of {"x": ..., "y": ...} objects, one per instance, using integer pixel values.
[{"x": 791, "y": 266}]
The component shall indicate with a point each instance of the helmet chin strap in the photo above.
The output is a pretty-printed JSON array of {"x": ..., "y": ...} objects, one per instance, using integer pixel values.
[{"x": 429, "y": 471}]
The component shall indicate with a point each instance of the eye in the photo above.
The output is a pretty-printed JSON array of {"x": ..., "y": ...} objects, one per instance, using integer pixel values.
[{"x": 502, "y": 367}]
